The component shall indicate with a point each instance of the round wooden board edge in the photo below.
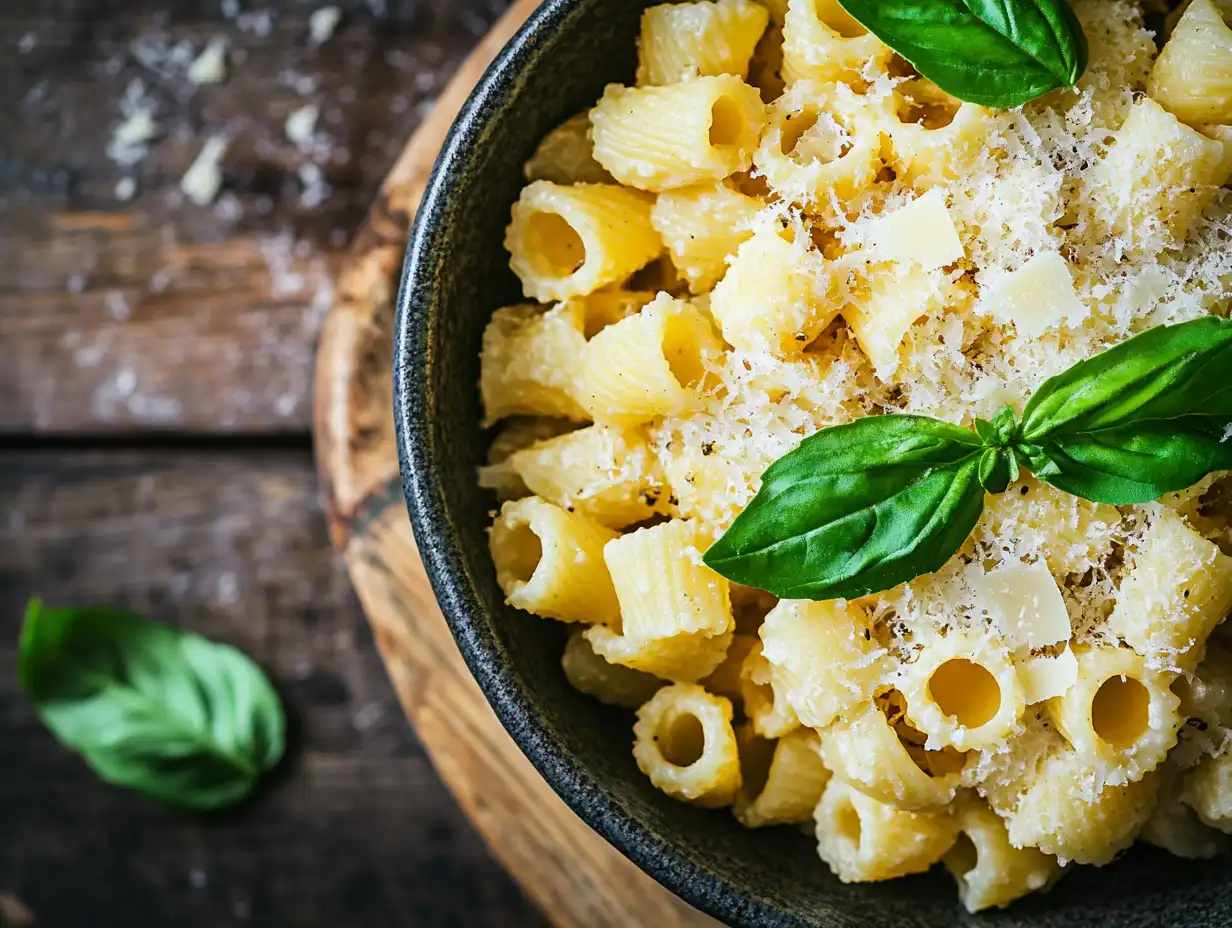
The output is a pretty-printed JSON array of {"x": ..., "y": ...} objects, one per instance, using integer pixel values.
[{"x": 572, "y": 874}]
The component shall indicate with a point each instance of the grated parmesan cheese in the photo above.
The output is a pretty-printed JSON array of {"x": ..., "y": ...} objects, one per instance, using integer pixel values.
[
  {"x": 203, "y": 180},
  {"x": 322, "y": 23},
  {"x": 210, "y": 67},
  {"x": 921, "y": 232},
  {"x": 301, "y": 125},
  {"x": 1037, "y": 297}
]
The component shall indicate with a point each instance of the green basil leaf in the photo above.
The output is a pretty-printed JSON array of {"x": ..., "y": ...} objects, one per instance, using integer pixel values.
[
  {"x": 149, "y": 707},
  {"x": 999, "y": 53},
  {"x": 857, "y": 509},
  {"x": 1135, "y": 464},
  {"x": 1147, "y": 417}
]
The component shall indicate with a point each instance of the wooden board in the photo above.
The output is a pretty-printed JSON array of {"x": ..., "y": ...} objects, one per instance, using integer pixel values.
[{"x": 575, "y": 877}]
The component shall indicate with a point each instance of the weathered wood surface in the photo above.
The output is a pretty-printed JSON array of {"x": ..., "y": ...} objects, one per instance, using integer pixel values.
[
  {"x": 356, "y": 830},
  {"x": 136, "y": 335},
  {"x": 576, "y": 878},
  {"x": 154, "y": 313}
]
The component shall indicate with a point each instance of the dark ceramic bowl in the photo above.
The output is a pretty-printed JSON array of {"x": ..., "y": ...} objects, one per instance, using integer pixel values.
[{"x": 456, "y": 274}]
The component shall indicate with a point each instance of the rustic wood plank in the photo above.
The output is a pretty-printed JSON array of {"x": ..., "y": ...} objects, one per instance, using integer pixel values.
[
  {"x": 153, "y": 313},
  {"x": 355, "y": 830}
]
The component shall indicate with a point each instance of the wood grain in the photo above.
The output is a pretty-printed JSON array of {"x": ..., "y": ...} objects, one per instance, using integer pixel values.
[
  {"x": 354, "y": 830},
  {"x": 153, "y": 314},
  {"x": 574, "y": 876}
]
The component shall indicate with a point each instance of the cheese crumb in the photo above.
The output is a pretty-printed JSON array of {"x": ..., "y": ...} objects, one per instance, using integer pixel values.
[
  {"x": 1025, "y": 602},
  {"x": 322, "y": 23},
  {"x": 1037, "y": 297},
  {"x": 203, "y": 180},
  {"x": 922, "y": 231},
  {"x": 130, "y": 142},
  {"x": 1045, "y": 677},
  {"x": 210, "y": 67},
  {"x": 301, "y": 125}
]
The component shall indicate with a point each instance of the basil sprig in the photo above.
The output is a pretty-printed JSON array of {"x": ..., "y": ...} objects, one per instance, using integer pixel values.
[
  {"x": 151, "y": 708},
  {"x": 1000, "y": 53},
  {"x": 863, "y": 507}
]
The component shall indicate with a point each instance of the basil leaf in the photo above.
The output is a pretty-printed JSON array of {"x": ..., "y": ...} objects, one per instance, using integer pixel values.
[
  {"x": 1147, "y": 417},
  {"x": 999, "y": 53},
  {"x": 857, "y": 509},
  {"x": 149, "y": 707}
]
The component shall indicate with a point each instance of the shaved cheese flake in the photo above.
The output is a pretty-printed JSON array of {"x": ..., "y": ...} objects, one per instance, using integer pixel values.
[
  {"x": 322, "y": 23},
  {"x": 1024, "y": 601},
  {"x": 301, "y": 125},
  {"x": 203, "y": 180},
  {"x": 921, "y": 232},
  {"x": 1037, "y": 297},
  {"x": 1045, "y": 677},
  {"x": 211, "y": 65}
]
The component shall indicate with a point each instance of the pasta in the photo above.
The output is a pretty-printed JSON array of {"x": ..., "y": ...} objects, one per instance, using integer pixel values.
[
  {"x": 823, "y": 143},
  {"x": 864, "y": 840},
  {"x": 1178, "y": 590},
  {"x": 684, "y": 40},
  {"x": 550, "y": 562},
  {"x": 1159, "y": 175},
  {"x": 1066, "y": 812},
  {"x": 702, "y": 227},
  {"x": 868, "y": 753},
  {"x": 989, "y": 870},
  {"x": 775, "y": 295},
  {"x": 821, "y": 659},
  {"x": 570, "y": 240},
  {"x": 567, "y": 156},
  {"x": 529, "y": 363},
  {"x": 1121, "y": 715},
  {"x": 775, "y": 226},
  {"x": 1192, "y": 76},
  {"x": 962, "y": 693},
  {"x": 661, "y": 138},
  {"x": 769, "y": 712},
  {"x": 780, "y": 781},
  {"x": 609, "y": 683},
  {"x": 684, "y": 742},
  {"x": 821, "y": 42},
  {"x": 676, "y": 619},
  {"x": 604, "y": 472},
  {"x": 648, "y": 365}
]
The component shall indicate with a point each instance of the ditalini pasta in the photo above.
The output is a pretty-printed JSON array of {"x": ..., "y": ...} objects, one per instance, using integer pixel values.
[{"x": 776, "y": 225}]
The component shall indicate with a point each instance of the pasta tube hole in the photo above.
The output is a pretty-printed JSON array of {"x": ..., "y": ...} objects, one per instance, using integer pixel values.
[
  {"x": 847, "y": 821},
  {"x": 944, "y": 762},
  {"x": 728, "y": 126},
  {"x": 683, "y": 352},
  {"x": 521, "y": 552},
  {"x": 553, "y": 245},
  {"x": 930, "y": 111},
  {"x": 966, "y": 692},
  {"x": 1120, "y": 711},
  {"x": 756, "y": 756},
  {"x": 963, "y": 856},
  {"x": 682, "y": 742},
  {"x": 810, "y": 136}
]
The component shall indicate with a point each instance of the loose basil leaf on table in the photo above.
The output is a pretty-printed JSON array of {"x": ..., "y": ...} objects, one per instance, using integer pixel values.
[
  {"x": 1145, "y": 418},
  {"x": 149, "y": 707},
  {"x": 856, "y": 509},
  {"x": 1000, "y": 53}
]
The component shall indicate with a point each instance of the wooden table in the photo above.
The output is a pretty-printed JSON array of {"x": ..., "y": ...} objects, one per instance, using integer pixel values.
[{"x": 155, "y": 369}]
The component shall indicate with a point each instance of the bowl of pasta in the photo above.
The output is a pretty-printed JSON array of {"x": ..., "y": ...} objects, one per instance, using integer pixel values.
[{"x": 815, "y": 421}]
